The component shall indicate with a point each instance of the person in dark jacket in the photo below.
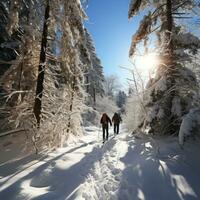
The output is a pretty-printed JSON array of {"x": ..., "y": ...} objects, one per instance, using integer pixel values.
[
  {"x": 116, "y": 119},
  {"x": 105, "y": 120}
]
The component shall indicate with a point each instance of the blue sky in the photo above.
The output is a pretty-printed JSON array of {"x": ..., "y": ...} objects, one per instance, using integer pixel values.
[{"x": 112, "y": 31}]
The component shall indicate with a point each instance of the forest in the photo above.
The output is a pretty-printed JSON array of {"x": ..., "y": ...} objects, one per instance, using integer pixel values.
[{"x": 55, "y": 90}]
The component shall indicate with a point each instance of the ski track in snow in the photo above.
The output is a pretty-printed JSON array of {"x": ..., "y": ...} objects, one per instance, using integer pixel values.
[{"x": 124, "y": 168}]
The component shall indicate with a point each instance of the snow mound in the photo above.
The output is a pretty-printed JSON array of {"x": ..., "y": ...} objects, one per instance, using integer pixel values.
[
  {"x": 44, "y": 179},
  {"x": 190, "y": 125}
]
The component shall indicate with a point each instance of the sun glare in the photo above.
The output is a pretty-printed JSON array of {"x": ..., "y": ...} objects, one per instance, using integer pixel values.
[{"x": 147, "y": 62}]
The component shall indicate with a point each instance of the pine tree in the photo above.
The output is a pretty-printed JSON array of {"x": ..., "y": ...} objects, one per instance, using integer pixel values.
[
  {"x": 121, "y": 99},
  {"x": 94, "y": 74},
  {"x": 18, "y": 78}
]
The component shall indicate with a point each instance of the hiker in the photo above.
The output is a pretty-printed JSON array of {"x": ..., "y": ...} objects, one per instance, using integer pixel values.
[
  {"x": 104, "y": 121},
  {"x": 116, "y": 120}
]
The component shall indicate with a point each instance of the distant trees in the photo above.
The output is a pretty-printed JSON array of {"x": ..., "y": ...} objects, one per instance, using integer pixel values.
[
  {"x": 121, "y": 99},
  {"x": 165, "y": 100},
  {"x": 111, "y": 85}
]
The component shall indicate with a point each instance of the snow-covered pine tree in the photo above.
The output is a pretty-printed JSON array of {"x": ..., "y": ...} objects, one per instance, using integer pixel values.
[
  {"x": 6, "y": 53},
  {"x": 94, "y": 85},
  {"x": 169, "y": 95},
  {"x": 94, "y": 74},
  {"x": 63, "y": 98},
  {"x": 77, "y": 58},
  {"x": 18, "y": 80},
  {"x": 121, "y": 99}
]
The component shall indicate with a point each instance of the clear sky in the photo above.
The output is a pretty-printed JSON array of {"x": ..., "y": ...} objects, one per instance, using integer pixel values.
[{"x": 112, "y": 31}]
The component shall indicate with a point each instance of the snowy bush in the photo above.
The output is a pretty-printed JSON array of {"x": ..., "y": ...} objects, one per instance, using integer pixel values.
[
  {"x": 190, "y": 125},
  {"x": 91, "y": 117}
]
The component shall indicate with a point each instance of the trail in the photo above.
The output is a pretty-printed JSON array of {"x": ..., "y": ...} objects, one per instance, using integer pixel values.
[{"x": 124, "y": 168}]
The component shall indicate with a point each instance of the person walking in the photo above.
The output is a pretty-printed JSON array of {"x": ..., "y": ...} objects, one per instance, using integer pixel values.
[
  {"x": 105, "y": 120},
  {"x": 116, "y": 119}
]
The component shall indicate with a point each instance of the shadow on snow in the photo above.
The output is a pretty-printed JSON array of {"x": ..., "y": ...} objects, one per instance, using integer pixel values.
[
  {"x": 60, "y": 183},
  {"x": 148, "y": 175}
]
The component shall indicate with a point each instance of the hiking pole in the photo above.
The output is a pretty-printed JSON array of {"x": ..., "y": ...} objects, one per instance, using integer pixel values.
[{"x": 99, "y": 133}]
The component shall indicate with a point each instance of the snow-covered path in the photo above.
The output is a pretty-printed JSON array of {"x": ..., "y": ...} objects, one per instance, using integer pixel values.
[{"x": 125, "y": 168}]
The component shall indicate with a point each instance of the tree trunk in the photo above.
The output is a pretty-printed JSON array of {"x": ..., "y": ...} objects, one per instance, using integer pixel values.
[
  {"x": 171, "y": 65},
  {"x": 71, "y": 104},
  {"x": 164, "y": 99},
  {"x": 20, "y": 76},
  {"x": 40, "y": 80},
  {"x": 94, "y": 95},
  {"x": 87, "y": 84},
  {"x": 169, "y": 28},
  {"x": 167, "y": 123}
]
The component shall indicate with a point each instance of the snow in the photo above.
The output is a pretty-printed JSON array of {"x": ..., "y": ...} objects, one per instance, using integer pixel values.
[
  {"x": 126, "y": 167},
  {"x": 161, "y": 84},
  {"x": 187, "y": 39},
  {"x": 134, "y": 113},
  {"x": 190, "y": 125},
  {"x": 176, "y": 106}
]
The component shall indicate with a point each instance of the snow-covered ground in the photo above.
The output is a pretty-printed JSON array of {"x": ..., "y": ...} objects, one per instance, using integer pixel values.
[{"x": 124, "y": 168}]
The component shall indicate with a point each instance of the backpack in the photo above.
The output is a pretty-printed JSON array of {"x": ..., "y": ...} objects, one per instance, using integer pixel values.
[
  {"x": 116, "y": 118},
  {"x": 104, "y": 119}
]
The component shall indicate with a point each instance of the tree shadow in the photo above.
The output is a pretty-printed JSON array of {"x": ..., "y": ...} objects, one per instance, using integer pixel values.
[
  {"x": 8, "y": 168},
  {"x": 13, "y": 168},
  {"x": 59, "y": 182},
  {"x": 154, "y": 175}
]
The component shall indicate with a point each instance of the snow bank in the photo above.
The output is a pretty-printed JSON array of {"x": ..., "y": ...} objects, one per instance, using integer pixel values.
[{"x": 190, "y": 125}]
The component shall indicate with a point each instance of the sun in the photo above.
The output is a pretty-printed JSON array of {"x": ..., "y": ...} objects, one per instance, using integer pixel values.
[{"x": 147, "y": 62}]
